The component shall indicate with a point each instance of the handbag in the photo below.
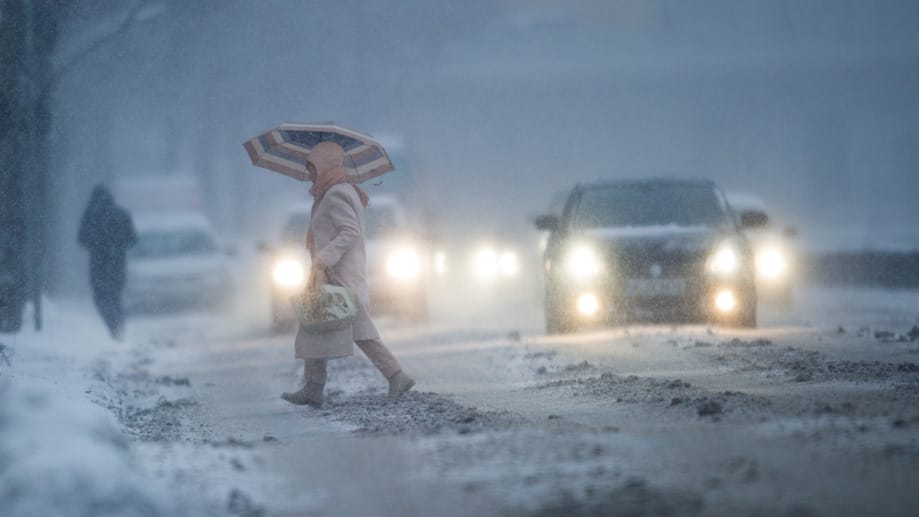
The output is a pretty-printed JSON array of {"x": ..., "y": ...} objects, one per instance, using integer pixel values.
[{"x": 327, "y": 308}]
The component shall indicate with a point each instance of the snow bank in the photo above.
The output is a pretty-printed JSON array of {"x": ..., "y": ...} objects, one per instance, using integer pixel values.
[
  {"x": 60, "y": 454},
  {"x": 64, "y": 456}
]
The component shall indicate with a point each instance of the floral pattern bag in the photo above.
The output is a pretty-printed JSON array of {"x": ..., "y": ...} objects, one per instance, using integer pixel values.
[{"x": 328, "y": 308}]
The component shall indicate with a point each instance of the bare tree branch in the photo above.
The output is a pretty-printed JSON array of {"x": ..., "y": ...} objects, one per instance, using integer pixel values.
[{"x": 123, "y": 27}]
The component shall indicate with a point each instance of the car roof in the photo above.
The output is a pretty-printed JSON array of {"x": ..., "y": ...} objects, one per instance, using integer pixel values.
[
  {"x": 743, "y": 201},
  {"x": 385, "y": 200},
  {"x": 649, "y": 182},
  {"x": 300, "y": 207},
  {"x": 376, "y": 200},
  {"x": 173, "y": 222}
]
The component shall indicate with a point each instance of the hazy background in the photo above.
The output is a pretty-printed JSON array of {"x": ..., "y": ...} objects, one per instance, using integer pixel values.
[{"x": 812, "y": 105}]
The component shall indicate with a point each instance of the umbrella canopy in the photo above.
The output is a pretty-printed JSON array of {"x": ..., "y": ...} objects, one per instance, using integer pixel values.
[{"x": 285, "y": 149}]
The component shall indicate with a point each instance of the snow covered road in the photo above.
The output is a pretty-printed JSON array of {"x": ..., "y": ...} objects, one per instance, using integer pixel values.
[{"x": 815, "y": 413}]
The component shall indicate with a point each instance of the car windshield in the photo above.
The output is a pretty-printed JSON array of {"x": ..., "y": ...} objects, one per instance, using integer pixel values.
[
  {"x": 379, "y": 221},
  {"x": 294, "y": 231},
  {"x": 176, "y": 243},
  {"x": 650, "y": 205}
]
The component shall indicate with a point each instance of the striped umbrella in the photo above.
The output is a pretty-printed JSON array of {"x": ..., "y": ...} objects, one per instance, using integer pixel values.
[{"x": 285, "y": 149}]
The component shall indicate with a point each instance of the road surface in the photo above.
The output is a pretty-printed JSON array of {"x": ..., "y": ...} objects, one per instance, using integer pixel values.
[{"x": 814, "y": 413}]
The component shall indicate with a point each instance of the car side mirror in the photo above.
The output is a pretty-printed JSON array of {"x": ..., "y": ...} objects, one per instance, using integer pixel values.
[
  {"x": 548, "y": 223},
  {"x": 753, "y": 219},
  {"x": 428, "y": 236}
]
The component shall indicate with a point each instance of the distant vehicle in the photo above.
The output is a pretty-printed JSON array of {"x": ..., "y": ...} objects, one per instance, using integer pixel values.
[
  {"x": 773, "y": 247},
  {"x": 176, "y": 263},
  {"x": 664, "y": 249},
  {"x": 160, "y": 193},
  {"x": 399, "y": 262},
  {"x": 488, "y": 261}
]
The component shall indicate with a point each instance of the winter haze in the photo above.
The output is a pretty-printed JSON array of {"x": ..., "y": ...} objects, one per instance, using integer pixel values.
[
  {"x": 655, "y": 348},
  {"x": 810, "y": 105}
]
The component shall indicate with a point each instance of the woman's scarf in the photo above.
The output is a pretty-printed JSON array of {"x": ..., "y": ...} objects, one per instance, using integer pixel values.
[
  {"x": 329, "y": 179},
  {"x": 321, "y": 186}
]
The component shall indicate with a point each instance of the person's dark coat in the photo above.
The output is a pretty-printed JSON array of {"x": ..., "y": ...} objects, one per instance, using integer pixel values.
[{"x": 107, "y": 232}]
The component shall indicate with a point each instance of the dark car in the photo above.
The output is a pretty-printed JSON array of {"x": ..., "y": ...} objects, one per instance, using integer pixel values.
[{"x": 659, "y": 250}]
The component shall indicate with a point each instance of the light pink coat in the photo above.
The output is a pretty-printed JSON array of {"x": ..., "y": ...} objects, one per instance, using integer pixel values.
[{"x": 337, "y": 225}]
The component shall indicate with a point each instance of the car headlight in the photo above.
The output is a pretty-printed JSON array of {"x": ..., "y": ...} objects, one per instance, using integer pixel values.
[
  {"x": 725, "y": 301},
  {"x": 588, "y": 304},
  {"x": 440, "y": 263},
  {"x": 486, "y": 263},
  {"x": 489, "y": 264},
  {"x": 723, "y": 261},
  {"x": 508, "y": 264},
  {"x": 289, "y": 273},
  {"x": 404, "y": 264},
  {"x": 582, "y": 263},
  {"x": 771, "y": 263}
]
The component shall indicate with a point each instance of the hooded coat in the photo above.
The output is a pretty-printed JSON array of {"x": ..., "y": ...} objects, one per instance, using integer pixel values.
[
  {"x": 337, "y": 233},
  {"x": 106, "y": 231}
]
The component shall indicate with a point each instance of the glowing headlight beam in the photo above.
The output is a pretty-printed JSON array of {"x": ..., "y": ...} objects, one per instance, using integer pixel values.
[
  {"x": 404, "y": 264},
  {"x": 440, "y": 263},
  {"x": 588, "y": 304},
  {"x": 582, "y": 263},
  {"x": 724, "y": 261},
  {"x": 489, "y": 264},
  {"x": 508, "y": 264},
  {"x": 289, "y": 273},
  {"x": 486, "y": 263},
  {"x": 725, "y": 301},
  {"x": 771, "y": 264}
]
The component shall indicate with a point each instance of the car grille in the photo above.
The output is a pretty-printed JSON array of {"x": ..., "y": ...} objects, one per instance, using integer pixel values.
[{"x": 654, "y": 261}]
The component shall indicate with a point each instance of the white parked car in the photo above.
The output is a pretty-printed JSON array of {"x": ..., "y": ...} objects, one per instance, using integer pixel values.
[{"x": 177, "y": 263}]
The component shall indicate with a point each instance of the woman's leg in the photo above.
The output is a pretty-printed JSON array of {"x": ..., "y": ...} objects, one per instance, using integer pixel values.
[
  {"x": 314, "y": 371},
  {"x": 314, "y": 376},
  {"x": 380, "y": 356}
]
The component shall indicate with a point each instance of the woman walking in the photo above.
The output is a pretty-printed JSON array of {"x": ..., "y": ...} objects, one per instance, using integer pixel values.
[{"x": 335, "y": 242}]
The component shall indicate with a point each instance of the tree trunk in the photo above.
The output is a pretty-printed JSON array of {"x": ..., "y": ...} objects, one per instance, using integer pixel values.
[
  {"x": 12, "y": 214},
  {"x": 28, "y": 32}
]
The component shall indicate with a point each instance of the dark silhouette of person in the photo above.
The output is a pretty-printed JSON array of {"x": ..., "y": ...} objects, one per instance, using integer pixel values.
[{"x": 107, "y": 231}]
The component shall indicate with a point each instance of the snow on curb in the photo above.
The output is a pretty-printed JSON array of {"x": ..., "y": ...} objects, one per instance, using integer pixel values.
[
  {"x": 60, "y": 454},
  {"x": 65, "y": 456}
]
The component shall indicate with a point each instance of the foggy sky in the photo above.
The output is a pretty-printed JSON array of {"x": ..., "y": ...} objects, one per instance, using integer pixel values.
[{"x": 810, "y": 105}]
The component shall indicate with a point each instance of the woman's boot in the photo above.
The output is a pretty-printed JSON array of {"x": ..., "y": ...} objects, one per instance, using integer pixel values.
[
  {"x": 310, "y": 394},
  {"x": 399, "y": 383}
]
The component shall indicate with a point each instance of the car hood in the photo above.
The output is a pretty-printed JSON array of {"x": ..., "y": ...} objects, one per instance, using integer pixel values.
[
  {"x": 375, "y": 249},
  {"x": 765, "y": 237},
  {"x": 665, "y": 237},
  {"x": 177, "y": 266},
  {"x": 679, "y": 250}
]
